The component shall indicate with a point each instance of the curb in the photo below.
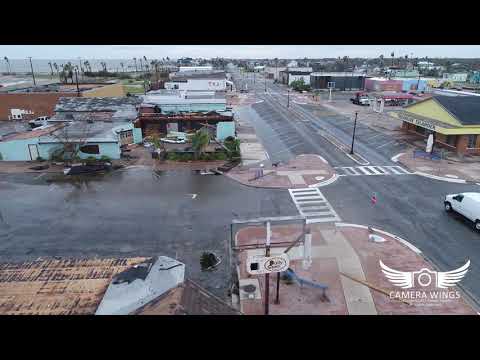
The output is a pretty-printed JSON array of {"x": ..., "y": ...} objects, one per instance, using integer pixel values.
[
  {"x": 334, "y": 178},
  {"x": 396, "y": 159},
  {"x": 441, "y": 178},
  {"x": 398, "y": 238}
]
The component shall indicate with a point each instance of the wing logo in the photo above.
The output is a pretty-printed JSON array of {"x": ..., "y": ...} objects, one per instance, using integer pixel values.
[{"x": 424, "y": 277}]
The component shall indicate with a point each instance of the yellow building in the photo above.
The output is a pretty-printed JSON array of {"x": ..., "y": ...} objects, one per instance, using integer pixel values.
[{"x": 454, "y": 121}]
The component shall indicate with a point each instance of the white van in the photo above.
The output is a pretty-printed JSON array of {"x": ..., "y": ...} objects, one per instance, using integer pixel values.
[{"x": 466, "y": 204}]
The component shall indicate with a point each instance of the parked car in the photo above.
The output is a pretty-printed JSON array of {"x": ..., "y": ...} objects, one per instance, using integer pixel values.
[
  {"x": 39, "y": 121},
  {"x": 466, "y": 204},
  {"x": 360, "y": 99}
]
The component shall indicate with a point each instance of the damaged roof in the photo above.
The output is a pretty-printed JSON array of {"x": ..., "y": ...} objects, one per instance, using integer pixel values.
[
  {"x": 91, "y": 104},
  {"x": 187, "y": 298},
  {"x": 57, "y": 286},
  {"x": 98, "y": 131}
]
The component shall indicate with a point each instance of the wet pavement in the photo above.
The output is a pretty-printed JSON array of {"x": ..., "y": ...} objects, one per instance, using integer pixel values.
[{"x": 134, "y": 212}]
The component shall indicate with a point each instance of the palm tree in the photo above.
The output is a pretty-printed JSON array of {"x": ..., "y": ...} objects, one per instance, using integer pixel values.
[
  {"x": 393, "y": 57},
  {"x": 121, "y": 65},
  {"x": 199, "y": 142},
  {"x": 146, "y": 63},
  {"x": 51, "y": 68},
  {"x": 87, "y": 65},
  {"x": 8, "y": 64},
  {"x": 56, "y": 69}
]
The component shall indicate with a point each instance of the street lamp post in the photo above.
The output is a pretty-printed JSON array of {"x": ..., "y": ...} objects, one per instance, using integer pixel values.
[
  {"x": 265, "y": 83},
  {"x": 288, "y": 98},
  {"x": 33, "y": 75},
  {"x": 354, "y": 128},
  {"x": 76, "y": 79}
]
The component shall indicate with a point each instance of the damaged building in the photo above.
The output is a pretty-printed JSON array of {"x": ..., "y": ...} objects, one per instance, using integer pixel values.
[
  {"x": 86, "y": 127},
  {"x": 164, "y": 111}
]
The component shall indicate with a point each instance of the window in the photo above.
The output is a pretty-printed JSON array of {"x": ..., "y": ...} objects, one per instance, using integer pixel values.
[
  {"x": 472, "y": 141},
  {"x": 90, "y": 149},
  {"x": 126, "y": 134}
]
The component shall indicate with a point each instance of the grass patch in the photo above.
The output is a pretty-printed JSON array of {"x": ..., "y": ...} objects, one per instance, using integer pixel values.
[{"x": 133, "y": 89}]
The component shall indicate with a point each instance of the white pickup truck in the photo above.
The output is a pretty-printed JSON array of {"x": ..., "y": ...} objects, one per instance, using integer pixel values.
[{"x": 466, "y": 204}]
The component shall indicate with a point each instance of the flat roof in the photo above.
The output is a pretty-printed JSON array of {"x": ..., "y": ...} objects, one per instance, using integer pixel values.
[
  {"x": 184, "y": 75},
  {"x": 91, "y": 104},
  {"x": 338, "y": 74},
  {"x": 33, "y": 133}
]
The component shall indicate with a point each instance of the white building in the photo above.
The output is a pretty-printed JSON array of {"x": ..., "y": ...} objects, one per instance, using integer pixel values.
[
  {"x": 293, "y": 74},
  {"x": 457, "y": 77},
  {"x": 195, "y": 68},
  {"x": 292, "y": 64},
  {"x": 198, "y": 81}
]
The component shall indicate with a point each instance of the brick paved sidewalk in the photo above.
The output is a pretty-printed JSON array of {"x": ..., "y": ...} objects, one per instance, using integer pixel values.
[
  {"x": 338, "y": 249},
  {"x": 442, "y": 168},
  {"x": 303, "y": 171}
]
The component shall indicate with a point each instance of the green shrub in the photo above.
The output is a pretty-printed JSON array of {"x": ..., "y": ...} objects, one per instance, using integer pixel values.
[
  {"x": 105, "y": 158},
  {"x": 40, "y": 159},
  {"x": 220, "y": 156},
  {"x": 1, "y": 157}
]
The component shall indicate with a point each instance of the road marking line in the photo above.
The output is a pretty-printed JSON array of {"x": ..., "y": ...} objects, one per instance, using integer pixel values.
[
  {"x": 378, "y": 147},
  {"x": 395, "y": 158},
  {"x": 367, "y": 171},
  {"x": 39, "y": 176},
  {"x": 304, "y": 205},
  {"x": 370, "y": 138}
]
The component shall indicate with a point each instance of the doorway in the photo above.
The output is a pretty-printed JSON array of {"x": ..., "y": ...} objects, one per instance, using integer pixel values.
[{"x": 33, "y": 150}]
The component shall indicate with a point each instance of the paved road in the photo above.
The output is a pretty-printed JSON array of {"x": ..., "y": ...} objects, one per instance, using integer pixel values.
[
  {"x": 131, "y": 213},
  {"x": 408, "y": 205}
]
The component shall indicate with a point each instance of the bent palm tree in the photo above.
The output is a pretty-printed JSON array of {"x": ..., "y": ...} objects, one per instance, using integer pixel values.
[{"x": 199, "y": 142}]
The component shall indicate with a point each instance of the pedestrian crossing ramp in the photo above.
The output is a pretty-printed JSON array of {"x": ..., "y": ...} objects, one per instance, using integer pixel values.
[
  {"x": 371, "y": 170},
  {"x": 312, "y": 205}
]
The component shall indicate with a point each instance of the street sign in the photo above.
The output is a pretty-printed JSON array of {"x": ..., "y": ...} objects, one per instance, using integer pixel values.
[{"x": 259, "y": 264}]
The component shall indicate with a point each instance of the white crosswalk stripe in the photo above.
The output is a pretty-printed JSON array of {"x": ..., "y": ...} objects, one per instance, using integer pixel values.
[
  {"x": 311, "y": 204},
  {"x": 371, "y": 170}
]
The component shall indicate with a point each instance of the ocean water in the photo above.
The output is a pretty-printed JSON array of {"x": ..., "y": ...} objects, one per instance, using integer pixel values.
[{"x": 41, "y": 66}]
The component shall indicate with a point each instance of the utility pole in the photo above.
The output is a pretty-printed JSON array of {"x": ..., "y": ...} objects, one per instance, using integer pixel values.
[
  {"x": 33, "y": 75},
  {"x": 267, "y": 275},
  {"x": 265, "y": 82},
  {"x": 76, "y": 79},
  {"x": 288, "y": 98},
  {"x": 354, "y": 128}
]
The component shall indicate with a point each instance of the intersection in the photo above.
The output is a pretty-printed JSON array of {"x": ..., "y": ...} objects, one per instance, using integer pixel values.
[{"x": 408, "y": 205}]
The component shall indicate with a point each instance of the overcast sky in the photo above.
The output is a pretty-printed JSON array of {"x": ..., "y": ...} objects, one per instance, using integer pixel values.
[{"x": 233, "y": 51}]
